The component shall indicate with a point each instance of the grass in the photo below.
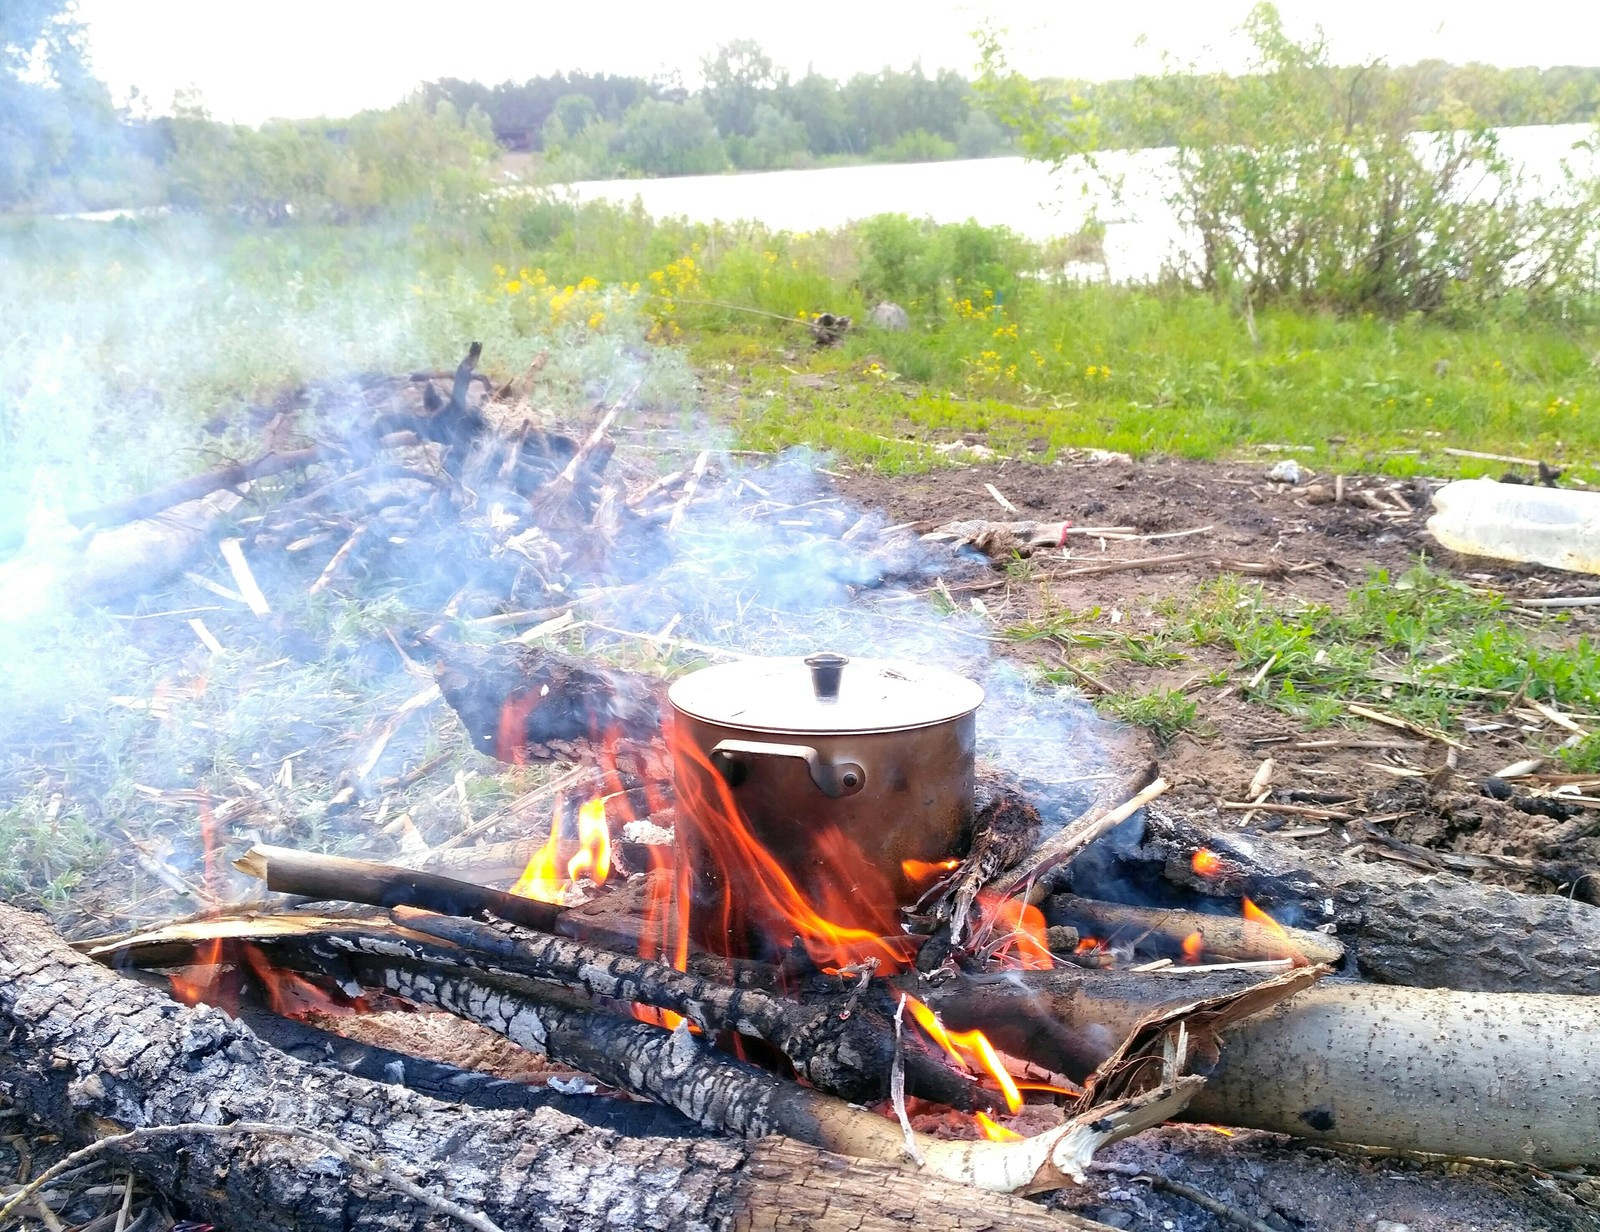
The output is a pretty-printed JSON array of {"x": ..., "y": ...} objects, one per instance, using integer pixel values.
[
  {"x": 1420, "y": 646},
  {"x": 1162, "y": 712},
  {"x": 136, "y": 354}
]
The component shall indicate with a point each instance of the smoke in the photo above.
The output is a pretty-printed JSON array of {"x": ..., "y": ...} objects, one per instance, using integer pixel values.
[{"x": 169, "y": 349}]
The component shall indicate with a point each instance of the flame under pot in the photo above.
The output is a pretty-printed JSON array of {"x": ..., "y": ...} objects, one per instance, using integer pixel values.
[{"x": 840, "y": 769}]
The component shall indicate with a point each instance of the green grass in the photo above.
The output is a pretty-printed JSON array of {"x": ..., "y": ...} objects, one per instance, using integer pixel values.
[
  {"x": 1186, "y": 380},
  {"x": 1163, "y": 712},
  {"x": 1420, "y": 646}
]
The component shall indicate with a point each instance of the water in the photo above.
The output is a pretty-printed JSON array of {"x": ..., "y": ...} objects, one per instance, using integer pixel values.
[{"x": 1141, "y": 231}]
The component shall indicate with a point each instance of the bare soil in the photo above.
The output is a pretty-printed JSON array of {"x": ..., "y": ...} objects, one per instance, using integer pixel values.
[{"x": 1331, "y": 547}]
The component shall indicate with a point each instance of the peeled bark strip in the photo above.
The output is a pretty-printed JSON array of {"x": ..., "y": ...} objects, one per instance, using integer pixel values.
[
  {"x": 87, "y": 1052},
  {"x": 1494, "y": 1076}
]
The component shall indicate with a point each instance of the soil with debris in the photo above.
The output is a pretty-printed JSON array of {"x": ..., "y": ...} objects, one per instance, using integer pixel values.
[{"x": 1249, "y": 520}]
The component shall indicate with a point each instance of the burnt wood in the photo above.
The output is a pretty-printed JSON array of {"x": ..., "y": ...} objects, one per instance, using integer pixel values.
[{"x": 84, "y": 1052}]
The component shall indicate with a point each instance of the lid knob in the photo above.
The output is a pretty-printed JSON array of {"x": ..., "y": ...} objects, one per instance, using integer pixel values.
[{"x": 826, "y": 668}]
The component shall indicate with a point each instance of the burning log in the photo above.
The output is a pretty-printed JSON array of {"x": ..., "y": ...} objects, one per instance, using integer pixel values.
[
  {"x": 521, "y": 704},
  {"x": 83, "y": 1051},
  {"x": 1497, "y": 1076},
  {"x": 338, "y": 879},
  {"x": 1438, "y": 931},
  {"x": 673, "y": 1067},
  {"x": 1172, "y": 933}
]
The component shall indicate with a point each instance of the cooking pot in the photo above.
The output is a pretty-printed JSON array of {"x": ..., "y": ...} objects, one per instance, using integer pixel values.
[{"x": 874, "y": 751}]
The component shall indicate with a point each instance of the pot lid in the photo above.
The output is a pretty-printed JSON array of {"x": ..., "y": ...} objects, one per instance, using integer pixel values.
[{"x": 825, "y": 693}]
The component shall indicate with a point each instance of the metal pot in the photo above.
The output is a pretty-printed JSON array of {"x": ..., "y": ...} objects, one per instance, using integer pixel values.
[{"x": 875, "y": 751}]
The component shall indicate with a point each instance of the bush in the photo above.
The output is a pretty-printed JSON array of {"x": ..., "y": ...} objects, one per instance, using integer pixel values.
[
  {"x": 1309, "y": 182},
  {"x": 918, "y": 146}
]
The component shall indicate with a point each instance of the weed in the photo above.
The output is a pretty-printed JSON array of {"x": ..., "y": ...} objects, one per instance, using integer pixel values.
[{"x": 1164, "y": 712}]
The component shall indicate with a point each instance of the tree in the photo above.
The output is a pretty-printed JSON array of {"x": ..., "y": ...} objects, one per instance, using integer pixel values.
[
  {"x": 739, "y": 77},
  {"x": 53, "y": 113},
  {"x": 661, "y": 138}
]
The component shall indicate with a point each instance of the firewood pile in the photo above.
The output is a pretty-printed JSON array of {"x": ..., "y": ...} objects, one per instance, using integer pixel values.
[{"x": 1078, "y": 966}]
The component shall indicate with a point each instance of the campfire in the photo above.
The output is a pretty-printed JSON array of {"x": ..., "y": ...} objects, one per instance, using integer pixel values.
[{"x": 847, "y": 915}]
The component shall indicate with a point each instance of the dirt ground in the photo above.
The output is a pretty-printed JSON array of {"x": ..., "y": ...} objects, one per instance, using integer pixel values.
[
  {"x": 1281, "y": 1184},
  {"x": 1327, "y": 548}
]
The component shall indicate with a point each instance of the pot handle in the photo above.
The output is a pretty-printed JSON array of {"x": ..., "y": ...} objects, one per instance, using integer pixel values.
[{"x": 835, "y": 779}]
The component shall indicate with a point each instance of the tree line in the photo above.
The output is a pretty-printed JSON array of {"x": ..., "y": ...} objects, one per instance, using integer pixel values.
[
  {"x": 749, "y": 114},
  {"x": 64, "y": 145}
]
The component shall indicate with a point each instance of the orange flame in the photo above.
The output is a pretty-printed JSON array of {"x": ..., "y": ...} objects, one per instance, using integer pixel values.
[
  {"x": 594, "y": 837},
  {"x": 542, "y": 878},
  {"x": 1257, "y": 916},
  {"x": 921, "y": 872},
  {"x": 994, "y": 1132},
  {"x": 1194, "y": 945},
  {"x": 854, "y": 917},
  {"x": 1021, "y": 928},
  {"x": 1206, "y": 863},
  {"x": 293, "y": 995},
  {"x": 199, "y": 982},
  {"x": 969, "y": 1049}
]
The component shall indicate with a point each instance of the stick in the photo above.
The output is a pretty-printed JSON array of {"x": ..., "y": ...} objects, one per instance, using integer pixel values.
[
  {"x": 1491, "y": 457},
  {"x": 339, "y": 557},
  {"x": 1207, "y": 1203},
  {"x": 692, "y": 483},
  {"x": 1074, "y": 837},
  {"x": 149, "y": 1133},
  {"x": 147, "y": 504},
  {"x": 1229, "y": 935},
  {"x": 233, "y": 553},
  {"x": 1378, "y": 716},
  {"x": 1000, "y": 499},
  {"x": 335, "y": 878}
]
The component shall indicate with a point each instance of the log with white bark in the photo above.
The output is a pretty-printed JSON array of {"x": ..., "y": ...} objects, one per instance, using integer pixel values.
[{"x": 1490, "y": 1075}]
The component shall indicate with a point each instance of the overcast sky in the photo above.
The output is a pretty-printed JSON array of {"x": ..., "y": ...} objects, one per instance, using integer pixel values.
[{"x": 299, "y": 58}]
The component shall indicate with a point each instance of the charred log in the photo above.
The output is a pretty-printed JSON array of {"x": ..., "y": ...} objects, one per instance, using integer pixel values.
[
  {"x": 522, "y": 704},
  {"x": 323, "y": 878},
  {"x": 1439, "y": 931},
  {"x": 84, "y": 1051}
]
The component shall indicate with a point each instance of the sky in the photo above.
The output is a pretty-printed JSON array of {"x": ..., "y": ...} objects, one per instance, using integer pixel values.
[{"x": 302, "y": 58}]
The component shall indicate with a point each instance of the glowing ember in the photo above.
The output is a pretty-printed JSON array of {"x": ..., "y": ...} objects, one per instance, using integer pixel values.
[
  {"x": 1194, "y": 945},
  {"x": 994, "y": 1132},
  {"x": 1206, "y": 863},
  {"x": 969, "y": 1049}
]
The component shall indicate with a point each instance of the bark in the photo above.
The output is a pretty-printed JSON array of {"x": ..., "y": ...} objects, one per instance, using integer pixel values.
[
  {"x": 85, "y": 1052},
  {"x": 1494, "y": 1076},
  {"x": 1399, "y": 926}
]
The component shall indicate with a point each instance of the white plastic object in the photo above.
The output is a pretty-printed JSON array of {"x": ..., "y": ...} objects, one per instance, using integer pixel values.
[{"x": 1557, "y": 527}]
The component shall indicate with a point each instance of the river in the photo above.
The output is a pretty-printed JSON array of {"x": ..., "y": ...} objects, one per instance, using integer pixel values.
[{"x": 1141, "y": 231}]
